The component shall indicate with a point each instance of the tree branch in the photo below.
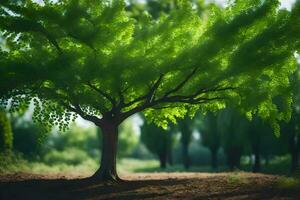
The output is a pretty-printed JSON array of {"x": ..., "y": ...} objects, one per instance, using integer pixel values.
[
  {"x": 150, "y": 95},
  {"x": 76, "y": 108},
  {"x": 181, "y": 84},
  {"x": 153, "y": 89},
  {"x": 21, "y": 24},
  {"x": 104, "y": 94},
  {"x": 189, "y": 99}
]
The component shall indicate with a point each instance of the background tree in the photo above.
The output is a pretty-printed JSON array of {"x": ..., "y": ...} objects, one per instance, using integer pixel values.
[
  {"x": 28, "y": 138},
  {"x": 290, "y": 137},
  {"x": 290, "y": 129},
  {"x": 210, "y": 136},
  {"x": 128, "y": 138},
  {"x": 75, "y": 137},
  {"x": 260, "y": 137},
  {"x": 158, "y": 141},
  {"x": 233, "y": 127},
  {"x": 89, "y": 58},
  {"x": 6, "y": 135},
  {"x": 186, "y": 128}
]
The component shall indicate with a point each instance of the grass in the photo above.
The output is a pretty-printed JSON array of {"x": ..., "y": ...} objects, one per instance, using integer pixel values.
[
  {"x": 71, "y": 161},
  {"x": 64, "y": 164},
  {"x": 235, "y": 178},
  {"x": 16, "y": 163},
  {"x": 289, "y": 183}
]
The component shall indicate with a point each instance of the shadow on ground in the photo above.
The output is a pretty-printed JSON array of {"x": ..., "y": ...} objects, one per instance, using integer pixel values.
[
  {"x": 164, "y": 186},
  {"x": 80, "y": 189}
]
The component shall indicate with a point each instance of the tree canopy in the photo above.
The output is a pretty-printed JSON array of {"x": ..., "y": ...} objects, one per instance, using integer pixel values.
[{"x": 92, "y": 59}]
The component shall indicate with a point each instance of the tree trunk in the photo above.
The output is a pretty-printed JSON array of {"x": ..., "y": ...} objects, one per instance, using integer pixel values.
[
  {"x": 107, "y": 170},
  {"x": 294, "y": 151},
  {"x": 256, "y": 167},
  {"x": 163, "y": 160},
  {"x": 170, "y": 157},
  {"x": 250, "y": 160},
  {"x": 295, "y": 161},
  {"x": 267, "y": 159},
  {"x": 233, "y": 158},
  {"x": 214, "y": 159},
  {"x": 185, "y": 156}
]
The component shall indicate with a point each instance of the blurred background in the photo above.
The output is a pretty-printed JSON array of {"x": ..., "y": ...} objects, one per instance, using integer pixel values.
[{"x": 215, "y": 142}]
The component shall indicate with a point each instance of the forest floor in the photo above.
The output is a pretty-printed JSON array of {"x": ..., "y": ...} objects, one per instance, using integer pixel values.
[{"x": 236, "y": 185}]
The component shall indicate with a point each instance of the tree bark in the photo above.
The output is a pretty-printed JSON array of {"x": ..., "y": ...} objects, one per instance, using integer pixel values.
[{"x": 107, "y": 170}]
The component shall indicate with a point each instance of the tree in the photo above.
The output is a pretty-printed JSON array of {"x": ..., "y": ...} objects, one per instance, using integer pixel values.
[
  {"x": 89, "y": 58},
  {"x": 6, "y": 135},
  {"x": 28, "y": 138},
  {"x": 128, "y": 138},
  {"x": 233, "y": 126},
  {"x": 291, "y": 138},
  {"x": 186, "y": 127},
  {"x": 210, "y": 136},
  {"x": 156, "y": 8},
  {"x": 291, "y": 129},
  {"x": 157, "y": 141},
  {"x": 260, "y": 140}
]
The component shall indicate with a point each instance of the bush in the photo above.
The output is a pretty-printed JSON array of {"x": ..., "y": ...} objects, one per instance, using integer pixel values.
[
  {"x": 6, "y": 136},
  {"x": 28, "y": 139},
  {"x": 70, "y": 156},
  {"x": 12, "y": 162}
]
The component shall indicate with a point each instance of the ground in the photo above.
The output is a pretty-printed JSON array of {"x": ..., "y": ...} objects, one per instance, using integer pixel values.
[{"x": 236, "y": 185}]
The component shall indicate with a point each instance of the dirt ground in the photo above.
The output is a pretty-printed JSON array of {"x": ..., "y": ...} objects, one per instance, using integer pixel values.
[{"x": 145, "y": 186}]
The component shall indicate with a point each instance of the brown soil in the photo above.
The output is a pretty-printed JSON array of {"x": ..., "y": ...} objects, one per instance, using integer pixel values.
[{"x": 145, "y": 186}]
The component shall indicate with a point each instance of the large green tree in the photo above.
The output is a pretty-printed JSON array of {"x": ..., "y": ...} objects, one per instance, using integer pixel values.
[{"x": 88, "y": 58}]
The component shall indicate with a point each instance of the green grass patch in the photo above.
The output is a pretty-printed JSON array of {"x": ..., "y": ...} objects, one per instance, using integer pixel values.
[
  {"x": 236, "y": 178},
  {"x": 289, "y": 183}
]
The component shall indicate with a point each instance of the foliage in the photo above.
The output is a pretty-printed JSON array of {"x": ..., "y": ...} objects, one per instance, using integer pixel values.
[
  {"x": 210, "y": 134},
  {"x": 233, "y": 127},
  {"x": 76, "y": 137},
  {"x": 70, "y": 156},
  {"x": 156, "y": 8},
  {"x": 127, "y": 138},
  {"x": 157, "y": 141},
  {"x": 89, "y": 58},
  {"x": 6, "y": 135},
  {"x": 14, "y": 163},
  {"x": 28, "y": 138}
]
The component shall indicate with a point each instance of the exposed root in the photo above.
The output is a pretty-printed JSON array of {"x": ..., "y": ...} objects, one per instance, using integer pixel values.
[{"x": 106, "y": 177}]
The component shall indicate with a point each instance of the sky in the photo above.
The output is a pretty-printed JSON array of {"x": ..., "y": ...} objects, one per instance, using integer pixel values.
[{"x": 284, "y": 3}]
